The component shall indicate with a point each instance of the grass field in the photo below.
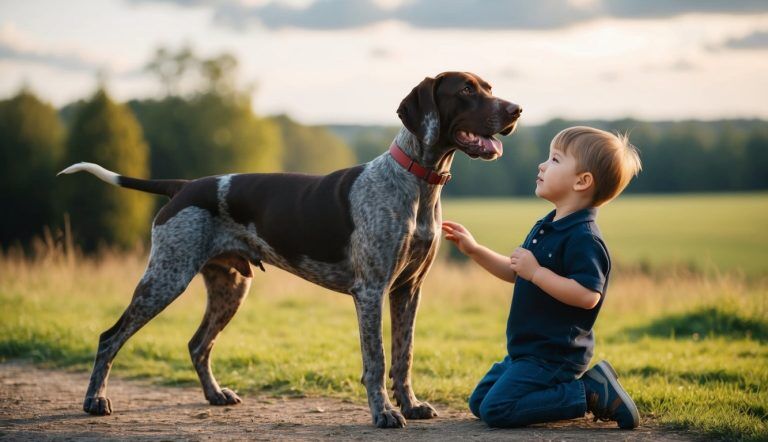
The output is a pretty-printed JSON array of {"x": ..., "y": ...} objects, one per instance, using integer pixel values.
[
  {"x": 701, "y": 232},
  {"x": 690, "y": 345}
]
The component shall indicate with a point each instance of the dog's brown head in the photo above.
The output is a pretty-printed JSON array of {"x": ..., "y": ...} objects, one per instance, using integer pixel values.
[{"x": 456, "y": 110}]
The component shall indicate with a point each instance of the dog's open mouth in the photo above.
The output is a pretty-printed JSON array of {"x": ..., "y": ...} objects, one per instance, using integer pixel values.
[{"x": 479, "y": 146}]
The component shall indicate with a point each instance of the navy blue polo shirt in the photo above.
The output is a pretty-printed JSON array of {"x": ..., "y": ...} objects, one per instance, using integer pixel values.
[{"x": 540, "y": 325}]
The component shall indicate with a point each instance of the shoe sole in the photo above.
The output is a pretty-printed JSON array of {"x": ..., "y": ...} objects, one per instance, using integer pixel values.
[{"x": 613, "y": 378}]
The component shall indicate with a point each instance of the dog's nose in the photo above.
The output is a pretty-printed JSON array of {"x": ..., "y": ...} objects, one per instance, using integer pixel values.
[{"x": 514, "y": 109}]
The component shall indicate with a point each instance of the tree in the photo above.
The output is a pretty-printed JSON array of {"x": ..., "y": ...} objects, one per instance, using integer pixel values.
[
  {"x": 170, "y": 67},
  {"x": 312, "y": 149},
  {"x": 208, "y": 134},
  {"x": 219, "y": 73},
  {"x": 31, "y": 149},
  {"x": 209, "y": 130},
  {"x": 216, "y": 75},
  {"x": 106, "y": 133},
  {"x": 757, "y": 159}
]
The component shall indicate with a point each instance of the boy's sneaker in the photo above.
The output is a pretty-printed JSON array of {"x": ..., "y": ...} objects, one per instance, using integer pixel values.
[{"x": 606, "y": 399}]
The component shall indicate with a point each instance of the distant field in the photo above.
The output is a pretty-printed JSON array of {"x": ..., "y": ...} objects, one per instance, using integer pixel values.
[{"x": 711, "y": 232}]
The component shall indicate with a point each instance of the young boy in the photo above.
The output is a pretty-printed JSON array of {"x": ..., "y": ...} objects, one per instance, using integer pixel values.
[{"x": 560, "y": 275}]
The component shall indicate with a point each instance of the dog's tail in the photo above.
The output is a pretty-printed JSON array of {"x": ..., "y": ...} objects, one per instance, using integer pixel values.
[{"x": 168, "y": 188}]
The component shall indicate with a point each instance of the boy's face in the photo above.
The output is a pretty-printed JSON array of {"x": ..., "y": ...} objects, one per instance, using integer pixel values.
[{"x": 557, "y": 176}]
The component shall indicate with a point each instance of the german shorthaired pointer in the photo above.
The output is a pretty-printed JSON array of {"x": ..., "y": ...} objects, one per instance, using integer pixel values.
[{"x": 368, "y": 231}]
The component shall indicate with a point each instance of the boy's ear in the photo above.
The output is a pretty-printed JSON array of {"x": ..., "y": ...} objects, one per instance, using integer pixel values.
[{"x": 584, "y": 181}]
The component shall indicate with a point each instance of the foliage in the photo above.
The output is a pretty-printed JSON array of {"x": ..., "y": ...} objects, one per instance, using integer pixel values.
[
  {"x": 205, "y": 124},
  {"x": 207, "y": 134},
  {"x": 108, "y": 134},
  {"x": 31, "y": 150},
  {"x": 184, "y": 70},
  {"x": 685, "y": 156},
  {"x": 312, "y": 149},
  {"x": 368, "y": 142}
]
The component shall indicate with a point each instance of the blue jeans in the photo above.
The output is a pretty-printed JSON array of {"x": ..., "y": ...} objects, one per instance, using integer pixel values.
[{"x": 526, "y": 391}]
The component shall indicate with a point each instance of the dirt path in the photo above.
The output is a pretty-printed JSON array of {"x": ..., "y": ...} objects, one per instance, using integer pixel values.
[{"x": 43, "y": 404}]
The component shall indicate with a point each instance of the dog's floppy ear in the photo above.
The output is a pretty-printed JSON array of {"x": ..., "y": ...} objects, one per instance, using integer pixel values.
[{"x": 418, "y": 112}]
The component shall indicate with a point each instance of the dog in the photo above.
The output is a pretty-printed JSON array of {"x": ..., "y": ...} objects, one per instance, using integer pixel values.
[{"x": 369, "y": 231}]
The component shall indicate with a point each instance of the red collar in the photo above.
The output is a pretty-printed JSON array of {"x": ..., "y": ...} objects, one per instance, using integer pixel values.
[{"x": 425, "y": 173}]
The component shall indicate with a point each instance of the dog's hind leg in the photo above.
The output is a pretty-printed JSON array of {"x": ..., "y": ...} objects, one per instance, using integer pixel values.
[
  {"x": 227, "y": 278},
  {"x": 150, "y": 298},
  {"x": 179, "y": 250},
  {"x": 403, "y": 304}
]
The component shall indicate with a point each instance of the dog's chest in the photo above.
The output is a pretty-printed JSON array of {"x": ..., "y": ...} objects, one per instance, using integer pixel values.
[{"x": 423, "y": 239}]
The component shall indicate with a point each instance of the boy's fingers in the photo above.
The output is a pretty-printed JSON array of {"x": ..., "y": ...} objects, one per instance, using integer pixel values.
[{"x": 453, "y": 225}]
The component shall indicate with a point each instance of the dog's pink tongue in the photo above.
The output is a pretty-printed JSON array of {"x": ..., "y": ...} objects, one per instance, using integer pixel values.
[{"x": 492, "y": 145}]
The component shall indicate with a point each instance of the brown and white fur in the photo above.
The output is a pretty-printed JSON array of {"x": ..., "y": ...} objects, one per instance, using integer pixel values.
[{"x": 369, "y": 231}]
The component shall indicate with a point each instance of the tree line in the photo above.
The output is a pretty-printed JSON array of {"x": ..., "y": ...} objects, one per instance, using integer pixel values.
[
  {"x": 202, "y": 124},
  {"x": 678, "y": 157}
]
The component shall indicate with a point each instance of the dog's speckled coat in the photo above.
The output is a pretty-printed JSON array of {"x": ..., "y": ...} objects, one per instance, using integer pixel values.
[{"x": 368, "y": 231}]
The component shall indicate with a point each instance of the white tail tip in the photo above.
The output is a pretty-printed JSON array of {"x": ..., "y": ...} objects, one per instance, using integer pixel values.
[{"x": 100, "y": 172}]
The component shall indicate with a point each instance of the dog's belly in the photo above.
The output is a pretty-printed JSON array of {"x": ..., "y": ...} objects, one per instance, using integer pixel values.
[
  {"x": 333, "y": 276},
  {"x": 337, "y": 276}
]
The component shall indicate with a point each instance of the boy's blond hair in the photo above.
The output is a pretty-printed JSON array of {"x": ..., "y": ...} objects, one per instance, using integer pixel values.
[{"x": 610, "y": 158}]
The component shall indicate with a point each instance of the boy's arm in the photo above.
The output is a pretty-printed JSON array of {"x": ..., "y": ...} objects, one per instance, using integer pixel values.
[
  {"x": 497, "y": 264},
  {"x": 565, "y": 290}
]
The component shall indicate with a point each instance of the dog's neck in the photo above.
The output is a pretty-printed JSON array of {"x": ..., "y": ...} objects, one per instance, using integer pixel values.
[
  {"x": 436, "y": 159},
  {"x": 429, "y": 198}
]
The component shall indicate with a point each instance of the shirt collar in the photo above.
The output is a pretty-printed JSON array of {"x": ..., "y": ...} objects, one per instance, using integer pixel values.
[{"x": 580, "y": 216}]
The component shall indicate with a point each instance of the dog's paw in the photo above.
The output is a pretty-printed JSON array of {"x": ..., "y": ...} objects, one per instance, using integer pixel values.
[
  {"x": 421, "y": 410},
  {"x": 390, "y": 418},
  {"x": 99, "y": 406},
  {"x": 225, "y": 397}
]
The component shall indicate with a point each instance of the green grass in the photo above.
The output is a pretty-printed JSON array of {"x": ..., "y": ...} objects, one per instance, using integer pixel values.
[
  {"x": 691, "y": 347},
  {"x": 707, "y": 232}
]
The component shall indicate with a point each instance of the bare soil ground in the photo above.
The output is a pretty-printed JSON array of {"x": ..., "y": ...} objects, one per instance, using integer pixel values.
[{"x": 39, "y": 404}]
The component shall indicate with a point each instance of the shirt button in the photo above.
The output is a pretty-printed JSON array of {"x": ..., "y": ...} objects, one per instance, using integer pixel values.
[
  {"x": 535, "y": 241},
  {"x": 541, "y": 232}
]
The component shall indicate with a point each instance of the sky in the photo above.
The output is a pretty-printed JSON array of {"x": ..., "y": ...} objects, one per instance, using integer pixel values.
[{"x": 352, "y": 61}]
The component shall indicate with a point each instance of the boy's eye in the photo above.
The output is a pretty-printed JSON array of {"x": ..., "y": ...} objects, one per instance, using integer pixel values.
[{"x": 555, "y": 160}]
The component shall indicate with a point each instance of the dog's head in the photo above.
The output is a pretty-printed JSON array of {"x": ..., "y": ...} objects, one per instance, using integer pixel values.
[{"x": 456, "y": 110}]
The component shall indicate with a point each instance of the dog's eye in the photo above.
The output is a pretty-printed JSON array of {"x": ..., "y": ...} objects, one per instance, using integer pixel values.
[{"x": 467, "y": 90}]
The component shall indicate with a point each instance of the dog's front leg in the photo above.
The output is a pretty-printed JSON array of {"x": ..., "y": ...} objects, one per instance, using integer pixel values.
[
  {"x": 403, "y": 304},
  {"x": 368, "y": 302}
]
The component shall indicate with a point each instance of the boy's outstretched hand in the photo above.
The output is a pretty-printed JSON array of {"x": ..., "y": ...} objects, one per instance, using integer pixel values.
[
  {"x": 524, "y": 263},
  {"x": 460, "y": 236}
]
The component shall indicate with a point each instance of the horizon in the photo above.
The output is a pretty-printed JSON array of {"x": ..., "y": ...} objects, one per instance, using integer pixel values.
[{"x": 333, "y": 62}]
